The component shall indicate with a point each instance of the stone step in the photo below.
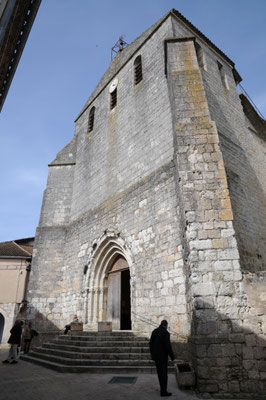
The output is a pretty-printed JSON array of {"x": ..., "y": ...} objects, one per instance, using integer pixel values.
[
  {"x": 91, "y": 369},
  {"x": 93, "y": 355},
  {"x": 98, "y": 334},
  {"x": 84, "y": 343},
  {"x": 102, "y": 338},
  {"x": 101, "y": 349},
  {"x": 89, "y": 362},
  {"x": 95, "y": 352}
]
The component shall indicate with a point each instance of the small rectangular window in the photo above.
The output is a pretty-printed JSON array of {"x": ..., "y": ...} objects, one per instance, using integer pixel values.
[
  {"x": 222, "y": 75},
  {"x": 201, "y": 57}
]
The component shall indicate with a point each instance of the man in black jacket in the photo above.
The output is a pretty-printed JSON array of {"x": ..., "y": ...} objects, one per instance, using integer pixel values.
[
  {"x": 14, "y": 340},
  {"x": 160, "y": 349}
]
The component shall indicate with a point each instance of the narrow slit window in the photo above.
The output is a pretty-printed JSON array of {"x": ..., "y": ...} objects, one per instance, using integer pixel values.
[
  {"x": 113, "y": 99},
  {"x": 137, "y": 70},
  {"x": 91, "y": 119},
  {"x": 222, "y": 75},
  {"x": 201, "y": 57}
]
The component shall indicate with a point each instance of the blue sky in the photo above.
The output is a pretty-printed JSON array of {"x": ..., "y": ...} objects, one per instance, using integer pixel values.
[{"x": 67, "y": 52}]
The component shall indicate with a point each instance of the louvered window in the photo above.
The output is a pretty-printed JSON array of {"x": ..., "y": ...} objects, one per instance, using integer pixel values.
[
  {"x": 113, "y": 99},
  {"x": 137, "y": 70},
  {"x": 91, "y": 119}
]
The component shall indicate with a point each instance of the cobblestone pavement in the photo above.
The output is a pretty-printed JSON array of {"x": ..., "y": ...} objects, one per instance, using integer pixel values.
[{"x": 26, "y": 381}]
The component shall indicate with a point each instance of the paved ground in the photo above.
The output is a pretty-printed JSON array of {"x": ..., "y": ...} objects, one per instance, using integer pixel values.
[{"x": 26, "y": 381}]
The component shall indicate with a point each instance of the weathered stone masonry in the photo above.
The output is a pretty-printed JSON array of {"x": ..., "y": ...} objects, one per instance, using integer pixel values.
[{"x": 171, "y": 180}]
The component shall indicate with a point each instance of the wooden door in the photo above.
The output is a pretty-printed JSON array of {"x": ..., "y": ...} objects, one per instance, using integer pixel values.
[
  {"x": 114, "y": 299},
  {"x": 118, "y": 298}
]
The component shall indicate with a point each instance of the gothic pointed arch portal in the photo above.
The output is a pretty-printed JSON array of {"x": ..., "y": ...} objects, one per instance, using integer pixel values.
[{"x": 108, "y": 284}]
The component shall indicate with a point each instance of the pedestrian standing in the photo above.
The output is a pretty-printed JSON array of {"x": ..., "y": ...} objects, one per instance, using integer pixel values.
[
  {"x": 28, "y": 335},
  {"x": 14, "y": 340},
  {"x": 160, "y": 349}
]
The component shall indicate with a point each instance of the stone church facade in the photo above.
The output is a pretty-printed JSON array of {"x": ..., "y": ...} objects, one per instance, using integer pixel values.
[{"x": 156, "y": 209}]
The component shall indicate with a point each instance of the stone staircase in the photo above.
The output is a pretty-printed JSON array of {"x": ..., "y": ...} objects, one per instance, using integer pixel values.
[{"x": 99, "y": 352}]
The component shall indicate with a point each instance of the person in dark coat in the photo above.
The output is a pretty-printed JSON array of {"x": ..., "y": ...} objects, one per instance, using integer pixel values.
[
  {"x": 14, "y": 340},
  {"x": 160, "y": 349}
]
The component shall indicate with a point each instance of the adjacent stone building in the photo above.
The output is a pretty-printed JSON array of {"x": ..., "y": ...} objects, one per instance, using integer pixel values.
[
  {"x": 15, "y": 265},
  {"x": 156, "y": 209}
]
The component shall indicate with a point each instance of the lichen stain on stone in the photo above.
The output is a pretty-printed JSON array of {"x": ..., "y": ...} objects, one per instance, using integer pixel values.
[
  {"x": 171, "y": 258},
  {"x": 196, "y": 96},
  {"x": 188, "y": 59},
  {"x": 113, "y": 117}
]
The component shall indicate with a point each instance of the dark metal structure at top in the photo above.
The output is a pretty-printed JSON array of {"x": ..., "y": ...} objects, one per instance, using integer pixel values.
[{"x": 119, "y": 46}]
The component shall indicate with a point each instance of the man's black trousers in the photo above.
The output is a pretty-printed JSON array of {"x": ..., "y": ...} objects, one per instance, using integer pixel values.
[{"x": 161, "y": 367}]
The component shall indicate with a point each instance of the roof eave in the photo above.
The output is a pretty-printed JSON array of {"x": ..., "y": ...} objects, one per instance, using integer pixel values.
[
  {"x": 16, "y": 257},
  {"x": 201, "y": 35}
]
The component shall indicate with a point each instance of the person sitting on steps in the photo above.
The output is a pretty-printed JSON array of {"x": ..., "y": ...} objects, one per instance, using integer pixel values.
[{"x": 68, "y": 326}]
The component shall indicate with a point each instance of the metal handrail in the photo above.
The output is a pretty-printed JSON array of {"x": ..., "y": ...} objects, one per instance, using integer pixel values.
[
  {"x": 154, "y": 324},
  {"x": 252, "y": 102}
]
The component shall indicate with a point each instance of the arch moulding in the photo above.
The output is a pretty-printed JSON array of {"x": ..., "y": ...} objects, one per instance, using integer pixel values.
[{"x": 104, "y": 251}]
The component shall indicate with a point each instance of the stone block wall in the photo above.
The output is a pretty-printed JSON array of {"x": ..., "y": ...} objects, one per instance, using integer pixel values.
[
  {"x": 46, "y": 279},
  {"x": 244, "y": 154},
  {"x": 154, "y": 176},
  {"x": 210, "y": 246},
  {"x": 130, "y": 141},
  {"x": 231, "y": 364},
  {"x": 57, "y": 196},
  {"x": 145, "y": 216},
  {"x": 218, "y": 300},
  {"x": 123, "y": 182}
]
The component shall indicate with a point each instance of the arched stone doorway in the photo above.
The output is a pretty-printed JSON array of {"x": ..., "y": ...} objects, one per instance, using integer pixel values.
[
  {"x": 118, "y": 295},
  {"x": 108, "y": 283},
  {"x": 2, "y": 325}
]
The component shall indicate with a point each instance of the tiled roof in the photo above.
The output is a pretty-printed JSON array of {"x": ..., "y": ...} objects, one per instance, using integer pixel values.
[
  {"x": 27, "y": 248},
  {"x": 12, "y": 249}
]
